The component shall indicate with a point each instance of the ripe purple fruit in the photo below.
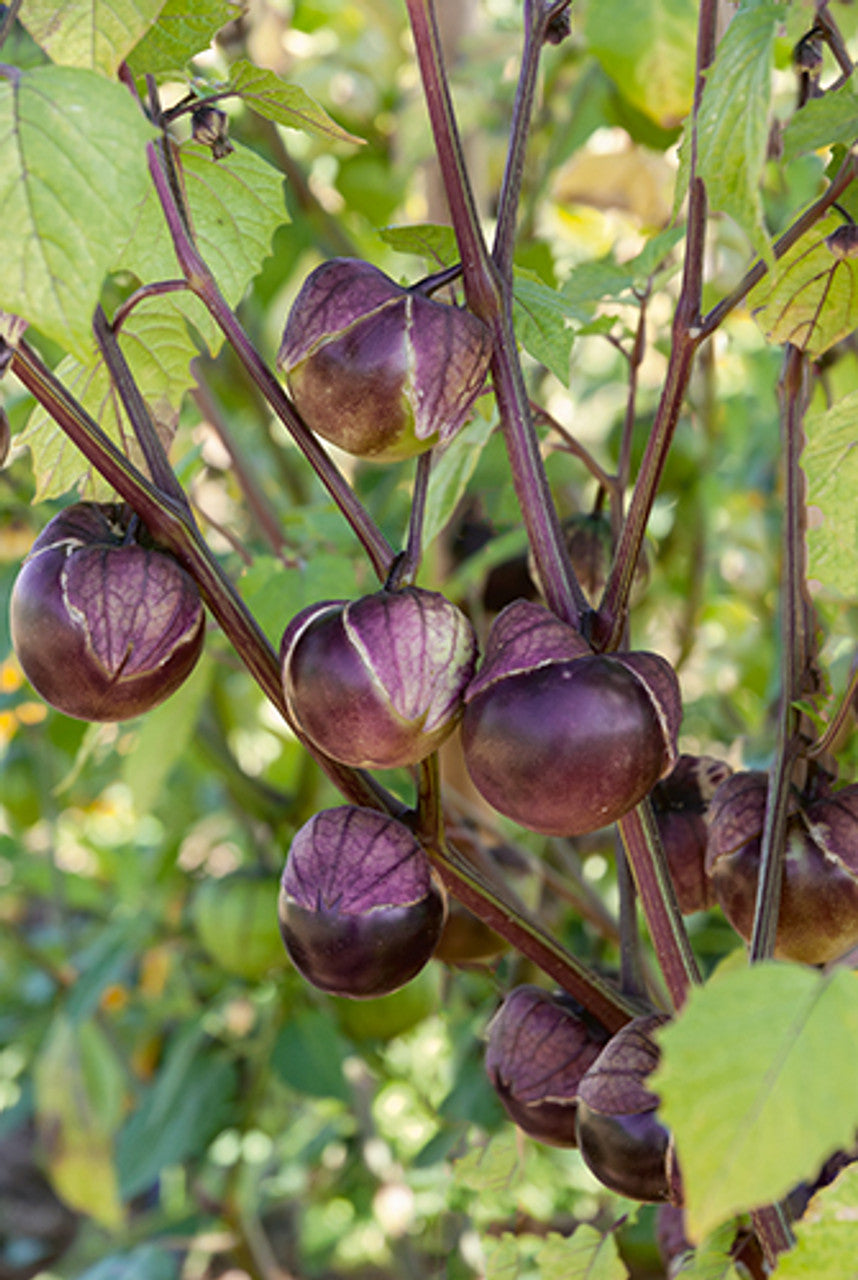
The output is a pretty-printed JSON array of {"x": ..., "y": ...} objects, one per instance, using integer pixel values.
[
  {"x": 561, "y": 739},
  {"x": 622, "y": 1140},
  {"x": 360, "y": 909},
  {"x": 539, "y": 1046},
  {"x": 818, "y": 919},
  {"x": 378, "y": 683},
  {"x": 104, "y": 625},
  {"x": 382, "y": 371}
]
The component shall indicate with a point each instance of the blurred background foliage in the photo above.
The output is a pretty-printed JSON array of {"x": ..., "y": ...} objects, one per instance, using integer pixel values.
[{"x": 174, "y": 1100}]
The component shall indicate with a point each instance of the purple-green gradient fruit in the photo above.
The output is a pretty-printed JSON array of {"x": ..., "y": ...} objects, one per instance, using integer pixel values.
[
  {"x": 360, "y": 909},
  {"x": 818, "y": 919},
  {"x": 378, "y": 683},
  {"x": 380, "y": 370},
  {"x": 559, "y": 738},
  {"x": 104, "y": 626}
]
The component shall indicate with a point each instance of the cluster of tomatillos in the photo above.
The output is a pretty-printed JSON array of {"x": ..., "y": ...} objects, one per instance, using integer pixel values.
[{"x": 559, "y": 738}]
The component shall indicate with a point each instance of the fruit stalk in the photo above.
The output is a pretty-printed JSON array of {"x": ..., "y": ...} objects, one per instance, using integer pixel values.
[
  {"x": 795, "y": 637},
  {"x": 658, "y": 898}
]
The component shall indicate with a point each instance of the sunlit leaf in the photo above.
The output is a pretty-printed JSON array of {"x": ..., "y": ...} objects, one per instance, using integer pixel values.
[
  {"x": 158, "y": 346},
  {"x": 546, "y": 321},
  {"x": 647, "y": 48},
  {"x": 585, "y": 1255},
  {"x": 830, "y": 464},
  {"x": 810, "y": 298},
  {"x": 89, "y": 33},
  {"x": 235, "y": 204},
  {"x": 733, "y": 122},
  {"x": 431, "y": 240},
  {"x": 288, "y": 104},
  {"x": 739, "y": 1082},
  {"x": 183, "y": 29},
  {"x": 72, "y": 175},
  {"x": 490, "y": 1168},
  {"x": 79, "y": 1085},
  {"x": 823, "y": 122},
  {"x": 826, "y": 1235}
]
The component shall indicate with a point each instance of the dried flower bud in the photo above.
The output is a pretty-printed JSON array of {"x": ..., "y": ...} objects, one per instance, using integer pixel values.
[
  {"x": 590, "y": 543},
  {"x": 621, "y": 1138},
  {"x": 843, "y": 242},
  {"x": 360, "y": 910},
  {"x": 210, "y": 126},
  {"x": 378, "y": 683},
  {"x": 104, "y": 627},
  {"x": 818, "y": 919},
  {"x": 539, "y": 1046},
  {"x": 380, "y": 370},
  {"x": 561, "y": 739}
]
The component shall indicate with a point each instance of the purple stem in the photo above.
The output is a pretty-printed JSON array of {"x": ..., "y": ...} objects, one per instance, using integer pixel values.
[
  {"x": 202, "y": 283},
  {"x": 491, "y": 301}
]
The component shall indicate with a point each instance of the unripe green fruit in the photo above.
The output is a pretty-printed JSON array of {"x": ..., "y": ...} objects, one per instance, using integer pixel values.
[
  {"x": 235, "y": 921},
  {"x": 391, "y": 1015}
]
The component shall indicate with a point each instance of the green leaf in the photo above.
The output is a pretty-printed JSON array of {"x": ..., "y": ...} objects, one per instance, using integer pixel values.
[
  {"x": 163, "y": 739},
  {"x": 187, "y": 1103},
  {"x": 428, "y": 239},
  {"x": 810, "y": 298},
  {"x": 72, "y": 175},
  {"x": 647, "y": 48},
  {"x": 309, "y": 1053},
  {"x": 545, "y": 322},
  {"x": 274, "y": 593},
  {"x": 235, "y": 204},
  {"x": 822, "y": 122},
  {"x": 585, "y": 1255},
  {"x": 289, "y": 104},
  {"x": 89, "y": 33},
  {"x": 183, "y": 29},
  {"x": 830, "y": 464},
  {"x": 740, "y": 1085},
  {"x": 733, "y": 123},
  {"x": 711, "y": 1260},
  {"x": 79, "y": 1092},
  {"x": 826, "y": 1234},
  {"x": 147, "y": 1262},
  {"x": 451, "y": 472},
  {"x": 491, "y": 1168},
  {"x": 159, "y": 347}
]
